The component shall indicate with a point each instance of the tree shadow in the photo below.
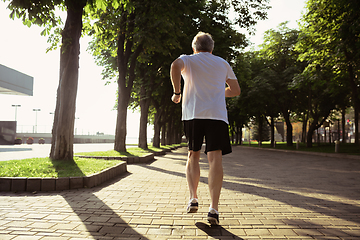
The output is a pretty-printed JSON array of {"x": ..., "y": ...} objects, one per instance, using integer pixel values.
[
  {"x": 100, "y": 220},
  {"x": 216, "y": 232},
  {"x": 245, "y": 185},
  {"x": 63, "y": 167}
]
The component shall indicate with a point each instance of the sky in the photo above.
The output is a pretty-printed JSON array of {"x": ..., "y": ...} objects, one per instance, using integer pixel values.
[{"x": 24, "y": 49}]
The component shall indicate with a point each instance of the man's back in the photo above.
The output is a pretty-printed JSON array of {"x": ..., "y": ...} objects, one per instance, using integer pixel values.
[{"x": 205, "y": 76}]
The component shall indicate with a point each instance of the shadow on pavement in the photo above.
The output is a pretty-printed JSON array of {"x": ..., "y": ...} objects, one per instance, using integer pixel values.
[
  {"x": 100, "y": 220},
  {"x": 216, "y": 232},
  {"x": 246, "y": 182}
]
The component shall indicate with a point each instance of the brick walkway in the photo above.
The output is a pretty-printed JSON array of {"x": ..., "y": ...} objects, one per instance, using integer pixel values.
[{"x": 266, "y": 195}]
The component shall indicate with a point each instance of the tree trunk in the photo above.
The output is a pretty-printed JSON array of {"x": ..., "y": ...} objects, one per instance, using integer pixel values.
[
  {"x": 310, "y": 133},
  {"x": 120, "y": 132},
  {"x": 125, "y": 84},
  {"x": 239, "y": 135},
  {"x": 343, "y": 122},
  {"x": 163, "y": 134},
  {"x": 144, "y": 112},
  {"x": 127, "y": 59},
  {"x": 272, "y": 129},
  {"x": 169, "y": 132},
  {"x": 157, "y": 129},
  {"x": 304, "y": 124},
  {"x": 156, "y": 139},
  {"x": 63, "y": 126},
  {"x": 260, "y": 130},
  {"x": 289, "y": 129},
  {"x": 356, "y": 122}
]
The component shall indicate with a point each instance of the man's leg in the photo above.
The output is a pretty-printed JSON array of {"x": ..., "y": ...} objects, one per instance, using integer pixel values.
[
  {"x": 215, "y": 177},
  {"x": 193, "y": 172}
]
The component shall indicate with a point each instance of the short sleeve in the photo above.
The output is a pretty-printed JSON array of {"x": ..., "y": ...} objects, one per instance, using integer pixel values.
[{"x": 230, "y": 72}]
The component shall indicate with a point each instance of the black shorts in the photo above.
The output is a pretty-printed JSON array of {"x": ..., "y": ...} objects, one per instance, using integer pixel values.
[{"x": 216, "y": 133}]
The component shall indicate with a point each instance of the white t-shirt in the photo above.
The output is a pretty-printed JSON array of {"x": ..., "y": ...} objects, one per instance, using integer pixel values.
[{"x": 205, "y": 78}]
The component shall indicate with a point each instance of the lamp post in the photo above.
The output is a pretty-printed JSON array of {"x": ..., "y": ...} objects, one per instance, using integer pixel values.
[
  {"x": 36, "y": 110},
  {"x": 16, "y": 106}
]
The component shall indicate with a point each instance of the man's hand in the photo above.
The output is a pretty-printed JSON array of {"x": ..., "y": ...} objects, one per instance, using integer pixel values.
[{"x": 176, "y": 98}]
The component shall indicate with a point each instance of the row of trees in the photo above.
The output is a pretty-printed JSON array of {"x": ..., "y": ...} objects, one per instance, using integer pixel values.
[
  {"x": 305, "y": 75},
  {"x": 135, "y": 41},
  {"x": 301, "y": 75}
]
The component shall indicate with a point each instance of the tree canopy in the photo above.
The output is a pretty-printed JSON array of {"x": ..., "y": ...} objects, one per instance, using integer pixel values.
[{"x": 298, "y": 74}]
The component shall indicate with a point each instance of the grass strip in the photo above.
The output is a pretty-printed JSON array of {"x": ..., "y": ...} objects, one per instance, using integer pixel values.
[
  {"x": 79, "y": 167},
  {"x": 131, "y": 152},
  {"x": 45, "y": 167}
]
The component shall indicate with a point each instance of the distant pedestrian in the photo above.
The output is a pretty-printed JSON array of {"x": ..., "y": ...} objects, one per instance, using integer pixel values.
[{"x": 204, "y": 114}]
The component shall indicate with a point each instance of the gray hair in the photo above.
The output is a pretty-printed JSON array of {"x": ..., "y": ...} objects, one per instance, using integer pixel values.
[{"x": 203, "y": 42}]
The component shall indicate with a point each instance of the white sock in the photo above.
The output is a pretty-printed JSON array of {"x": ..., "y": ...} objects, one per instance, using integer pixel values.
[
  {"x": 194, "y": 200},
  {"x": 210, "y": 208}
]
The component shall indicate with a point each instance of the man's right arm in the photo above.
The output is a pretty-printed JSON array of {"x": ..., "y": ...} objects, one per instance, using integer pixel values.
[{"x": 175, "y": 74}]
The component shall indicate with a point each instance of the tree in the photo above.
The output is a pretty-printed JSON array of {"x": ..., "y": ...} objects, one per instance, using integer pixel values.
[
  {"x": 261, "y": 131},
  {"x": 332, "y": 29},
  {"x": 63, "y": 126},
  {"x": 241, "y": 108},
  {"x": 42, "y": 13},
  {"x": 322, "y": 95},
  {"x": 282, "y": 63},
  {"x": 124, "y": 35}
]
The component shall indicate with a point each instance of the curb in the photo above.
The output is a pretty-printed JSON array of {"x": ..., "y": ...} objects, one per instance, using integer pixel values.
[
  {"x": 20, "y": 184},
  {"x": 32, "y": 184}
]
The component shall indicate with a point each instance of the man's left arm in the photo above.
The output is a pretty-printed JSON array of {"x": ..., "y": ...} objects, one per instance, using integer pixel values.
[{"x": 233, "y": 88}]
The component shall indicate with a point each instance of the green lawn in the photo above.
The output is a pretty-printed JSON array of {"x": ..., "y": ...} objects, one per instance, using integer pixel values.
[
  {"x": 346, "y": 148},
  {"x": 133, "y": 151},
  {"x": 45, "y": 167}
]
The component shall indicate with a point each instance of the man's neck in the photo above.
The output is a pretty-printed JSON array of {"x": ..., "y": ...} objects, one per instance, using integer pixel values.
[{"x": 196, "y": 52}]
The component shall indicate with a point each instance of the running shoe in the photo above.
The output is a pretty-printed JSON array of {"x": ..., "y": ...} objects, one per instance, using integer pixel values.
[
  {"x": 213, "y": 218},
  {"x": 193, "y": 206}
]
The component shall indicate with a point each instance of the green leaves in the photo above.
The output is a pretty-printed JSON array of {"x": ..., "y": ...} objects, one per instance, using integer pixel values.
[{"x": 100, "y": 5}]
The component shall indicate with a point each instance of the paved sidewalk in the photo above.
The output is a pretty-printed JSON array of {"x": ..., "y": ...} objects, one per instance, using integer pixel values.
[
  {"x": 266, "y": 195},
  {"x": 23, "y": 151}
]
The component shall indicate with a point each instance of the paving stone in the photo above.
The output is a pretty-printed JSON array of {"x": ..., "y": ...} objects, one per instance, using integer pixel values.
[
  {"x": 159, "y": 231},
  {"x": 111, "y": 230},
  {"x": 7, "y": 236},
  {"x": 26, "y": 238},
  {"x": 266, "y": 195},
  {"x": 98, "y": 219},
  {"x": 41, "y": 225}
]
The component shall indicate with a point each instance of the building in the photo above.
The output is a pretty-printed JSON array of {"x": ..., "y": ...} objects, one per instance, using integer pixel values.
[{"x": 15, "y": 83}]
